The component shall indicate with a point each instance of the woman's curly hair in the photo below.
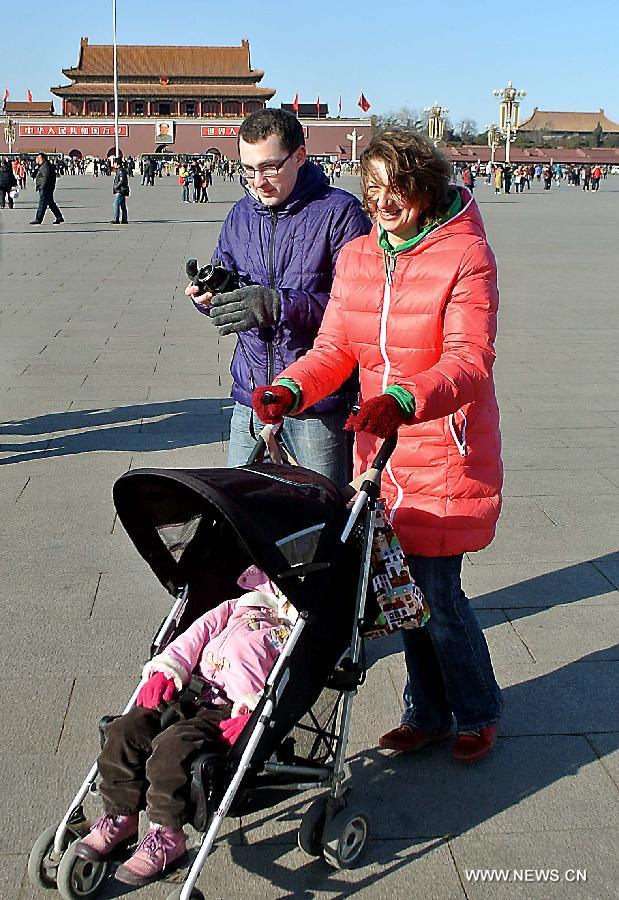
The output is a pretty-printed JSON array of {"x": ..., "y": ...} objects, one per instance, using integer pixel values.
[{"x": 417, "y": 172}]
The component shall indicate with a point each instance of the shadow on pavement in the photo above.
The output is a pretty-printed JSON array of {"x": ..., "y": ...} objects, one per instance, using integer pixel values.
[
  {"x": 179, "y": 423},
  {"x": 567, "y": 585}
]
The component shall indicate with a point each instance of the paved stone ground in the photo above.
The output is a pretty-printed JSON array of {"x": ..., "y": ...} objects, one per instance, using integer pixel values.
[{"x": 105, "y": 366}]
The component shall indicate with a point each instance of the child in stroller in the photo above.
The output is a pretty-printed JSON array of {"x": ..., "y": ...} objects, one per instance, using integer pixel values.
[{"x": 144, "y": 763}]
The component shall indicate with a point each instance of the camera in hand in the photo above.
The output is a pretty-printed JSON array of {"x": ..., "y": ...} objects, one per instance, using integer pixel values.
[{"x": 214, "y": 278}]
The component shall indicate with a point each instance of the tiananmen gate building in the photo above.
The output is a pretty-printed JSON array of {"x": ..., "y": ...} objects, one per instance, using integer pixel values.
[{"x": 180, "y": 100}]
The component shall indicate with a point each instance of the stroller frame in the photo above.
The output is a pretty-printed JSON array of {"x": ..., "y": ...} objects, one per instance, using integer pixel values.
[{"x": 330, "y": 776}]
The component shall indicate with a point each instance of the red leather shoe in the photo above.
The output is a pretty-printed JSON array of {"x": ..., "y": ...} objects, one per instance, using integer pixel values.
[
  {"x": 408, "y": 739},
  {"x": 471, "y": 746}
]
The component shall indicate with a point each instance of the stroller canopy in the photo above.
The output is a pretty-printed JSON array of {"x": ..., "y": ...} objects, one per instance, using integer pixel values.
[{"x": 192, "y": 523}]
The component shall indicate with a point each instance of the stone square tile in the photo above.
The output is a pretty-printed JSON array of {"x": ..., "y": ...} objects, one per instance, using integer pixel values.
[
  {"x": 555, "y": 783},
  {"x": 560, "y": 634},
  {"x": 536, "y": 584},
  {"x": 570, "y": 865}
]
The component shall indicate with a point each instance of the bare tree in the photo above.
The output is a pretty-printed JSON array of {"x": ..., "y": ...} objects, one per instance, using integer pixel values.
[
  {"x": 405, "y": 117},
  {"x": 467, "y": 129}
]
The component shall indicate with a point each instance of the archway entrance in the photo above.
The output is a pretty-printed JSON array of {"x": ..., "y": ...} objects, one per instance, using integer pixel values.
[
  {"x": 213, "y": 151},
  {"x": 75, "y": 154}
]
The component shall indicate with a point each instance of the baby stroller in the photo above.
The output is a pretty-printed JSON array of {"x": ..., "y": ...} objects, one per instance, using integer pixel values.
[{"x": 198, "y": 529}]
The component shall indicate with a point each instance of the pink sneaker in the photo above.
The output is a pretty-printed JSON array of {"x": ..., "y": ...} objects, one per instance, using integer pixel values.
[
  {"x": 105, "y": 835},
  {"x": 156, "y": 852}
]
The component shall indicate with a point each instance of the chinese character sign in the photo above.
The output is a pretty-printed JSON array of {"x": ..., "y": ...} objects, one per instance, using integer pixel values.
[{"x": 69, "y": 130}]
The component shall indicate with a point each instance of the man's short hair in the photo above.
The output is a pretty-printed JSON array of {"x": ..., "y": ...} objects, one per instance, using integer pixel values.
[
  {"x": 262, "y": 124},
  {"x": 43, "y": 156}
]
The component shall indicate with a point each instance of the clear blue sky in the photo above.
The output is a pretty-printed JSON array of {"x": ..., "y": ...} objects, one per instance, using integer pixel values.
[{"x": 402, "y": 52}]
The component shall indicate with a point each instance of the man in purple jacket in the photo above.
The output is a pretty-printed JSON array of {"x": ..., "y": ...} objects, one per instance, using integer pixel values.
[{"x": 282, "y": 239}]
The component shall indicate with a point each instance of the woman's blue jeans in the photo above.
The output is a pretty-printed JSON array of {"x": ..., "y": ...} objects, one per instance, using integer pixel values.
[
  {"x": 317, "y": 442},
  {"x": 449, "y": 671}
]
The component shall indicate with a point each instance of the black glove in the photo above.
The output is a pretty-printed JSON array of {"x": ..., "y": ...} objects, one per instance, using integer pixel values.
[{"x": 249, "y": 307}]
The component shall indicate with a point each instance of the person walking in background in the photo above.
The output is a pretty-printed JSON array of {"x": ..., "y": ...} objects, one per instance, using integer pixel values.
[
  {"x": 207, "y": 179},
  {"x": 45, "y": 183},
  {"x": 19, "y": 170},
  {"x": 197, "y": 182},
  {"x": 498, "y": 179},
  {"x": 468, "y": 179},
  {"x": 120, "y": 189},
  {"x": 507, "y": 178},
  {"x": 182, "y": 180},
  {"x": 596, "y": 174},
  {"x": 8, "y": 182},
  {"x": 518, "y": 179}
]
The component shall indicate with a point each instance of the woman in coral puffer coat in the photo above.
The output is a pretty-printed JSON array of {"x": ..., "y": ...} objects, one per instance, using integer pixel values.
[{"x": 414, "y": 305}]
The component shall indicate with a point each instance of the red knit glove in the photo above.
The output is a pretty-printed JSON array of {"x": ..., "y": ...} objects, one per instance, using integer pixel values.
[
  {"x": 380, "y": 416},
  {"x": 232, "y": 728},
  {"x": 158, "y": 689},
  {"x": 279, "y": 404}
]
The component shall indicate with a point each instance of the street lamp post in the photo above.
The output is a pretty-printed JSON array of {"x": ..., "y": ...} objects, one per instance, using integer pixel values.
[
  {"x": 509, "y": 104},
  {"x": 436, "y": 122},
  {"x": 494, "y": 138},
  {"x": 116, "y": 144},
  {"x": 9, "y": 132}
]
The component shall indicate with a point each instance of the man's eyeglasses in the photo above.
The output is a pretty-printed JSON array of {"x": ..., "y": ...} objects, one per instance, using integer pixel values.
[{"x": 271, "y": 171}]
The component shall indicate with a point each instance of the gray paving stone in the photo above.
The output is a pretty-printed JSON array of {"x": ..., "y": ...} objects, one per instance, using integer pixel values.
[
  {"x": 547, "y": 698},
  {"x": 536, "y": 584},
  {"x": 12, "y": 869},
  {"x": 587, "y": 511},
  {"x": 556, "y": 783},
  {"x": 543, "y": 483},
  {"x": 559, "y": 634},
  {"x": 566, "y": 856},
  {"x": 607, "y": 748}
]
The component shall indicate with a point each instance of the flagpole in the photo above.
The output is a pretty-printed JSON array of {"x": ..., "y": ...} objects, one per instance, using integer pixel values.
[{"x": 117, "y": 153}]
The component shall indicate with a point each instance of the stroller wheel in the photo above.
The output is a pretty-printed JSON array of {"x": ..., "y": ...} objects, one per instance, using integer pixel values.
[
  {"x": 195, "y": 894},
  {"x": 42, "y": 862},
  {"x": 80, "y": 877},
  {"x": 345, "y": 837},
  {"x": 312, "y": 826}
]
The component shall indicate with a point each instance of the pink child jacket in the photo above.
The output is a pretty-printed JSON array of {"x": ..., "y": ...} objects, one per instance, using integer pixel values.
[{"x": 232, "y": 646}]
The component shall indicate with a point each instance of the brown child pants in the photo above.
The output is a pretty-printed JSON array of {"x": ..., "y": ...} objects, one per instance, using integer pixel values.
[{"x": 144, "y": 767}]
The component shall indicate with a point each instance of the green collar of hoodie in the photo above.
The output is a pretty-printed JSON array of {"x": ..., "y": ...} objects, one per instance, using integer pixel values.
[{"x": 383, "y": 236}]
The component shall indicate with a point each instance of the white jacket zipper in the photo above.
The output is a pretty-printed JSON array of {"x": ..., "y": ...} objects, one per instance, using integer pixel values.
[
  {"x": 390, "y": 266},
  {"x": 460, "y": 443}
]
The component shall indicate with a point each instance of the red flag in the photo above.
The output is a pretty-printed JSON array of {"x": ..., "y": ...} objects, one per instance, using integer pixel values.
[
  {"x": 318, "y": 106},
  {"x": 29, "y": 96},
  {"x": 6, "y": 94},
  {"x": 363, "y": 103},
  {"x": 339, "y": 106},
  {"x": 295, "y": 103}
]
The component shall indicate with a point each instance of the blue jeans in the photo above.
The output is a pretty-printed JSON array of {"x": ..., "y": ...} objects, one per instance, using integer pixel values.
[
  {"x": 449, "y": 671},
  {"x": 317, "y": 442},
  {"x": 120, "y": 205}
]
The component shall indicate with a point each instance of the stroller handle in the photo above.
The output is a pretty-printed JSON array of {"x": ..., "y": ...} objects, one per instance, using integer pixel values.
[
  {"x": 386, "y": 451},
  {"x": 257, "y": 454},
  {"x": 368, "y": 484}
]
